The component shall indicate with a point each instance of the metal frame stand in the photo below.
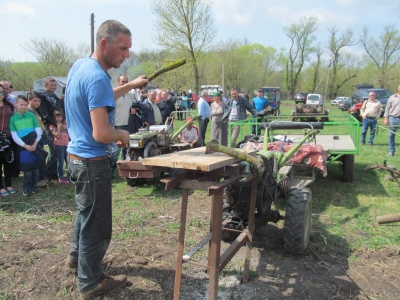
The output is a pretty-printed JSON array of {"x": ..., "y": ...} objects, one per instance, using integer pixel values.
[{"x": 216, "y": 260}]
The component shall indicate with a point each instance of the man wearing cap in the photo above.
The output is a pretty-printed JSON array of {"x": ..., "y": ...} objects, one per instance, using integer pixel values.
[
  {"x": 204, "y": 113},
  {"x": 259, "y": 103},
  {"x": 190, "y": 134}
]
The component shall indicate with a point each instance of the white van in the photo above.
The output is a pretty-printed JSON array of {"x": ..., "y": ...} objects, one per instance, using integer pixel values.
[{"x": 314, "y": 99}]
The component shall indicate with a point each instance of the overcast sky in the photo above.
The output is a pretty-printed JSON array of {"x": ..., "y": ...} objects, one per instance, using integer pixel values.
[{"x": 260, "y": 21}]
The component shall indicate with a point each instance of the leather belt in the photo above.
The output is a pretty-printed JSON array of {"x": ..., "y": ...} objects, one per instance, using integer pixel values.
[
  {"x": 75, "y": 157},
  {"x": 372, "y": 118}
]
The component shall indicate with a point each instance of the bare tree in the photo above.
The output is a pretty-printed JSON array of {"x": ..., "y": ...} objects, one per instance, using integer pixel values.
[
  {"x": 316, "y": 67},
  {"x": 301, "y": 37},
  {"x": 185, "y": 26},
  {"x": 336, "y": 47},
  {"x": 55, "y": 56},
  {"x": 384, "y": 51}
]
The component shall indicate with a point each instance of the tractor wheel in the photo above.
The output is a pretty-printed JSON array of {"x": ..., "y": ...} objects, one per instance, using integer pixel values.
[
  {"x": 150, "y": 149},
  {"x": 348, "y": 167},
  {"x": 297, "y": 221}
]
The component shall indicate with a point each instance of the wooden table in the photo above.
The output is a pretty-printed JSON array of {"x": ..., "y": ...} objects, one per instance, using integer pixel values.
[{"x": 205, "y": 172}]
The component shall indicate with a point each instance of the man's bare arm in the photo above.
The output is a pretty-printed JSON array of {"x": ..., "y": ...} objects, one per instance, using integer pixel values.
[
  {"x": 103, "y": 132},
  {"x": 141, "y": 82}
]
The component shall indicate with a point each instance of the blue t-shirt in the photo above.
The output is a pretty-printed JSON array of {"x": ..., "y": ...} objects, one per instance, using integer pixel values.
[
  {"x": 259, "y": 103},
  {"x": 88, "y": 87}
]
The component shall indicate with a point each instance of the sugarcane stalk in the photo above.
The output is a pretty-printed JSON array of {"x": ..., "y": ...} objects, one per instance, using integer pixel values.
[
  {"x": 169, "y": 67},
  {"x": 242, "y": 155}
]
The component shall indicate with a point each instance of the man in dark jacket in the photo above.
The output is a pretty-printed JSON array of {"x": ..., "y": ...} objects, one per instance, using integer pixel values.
[
  {"x": 166, "y": 106},
  {"x": 235, "y": 111},
  {"x": 50, "y": 102}
]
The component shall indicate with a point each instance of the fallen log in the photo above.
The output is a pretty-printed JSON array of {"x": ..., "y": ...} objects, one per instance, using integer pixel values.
[{"x": 388, "y": 218}]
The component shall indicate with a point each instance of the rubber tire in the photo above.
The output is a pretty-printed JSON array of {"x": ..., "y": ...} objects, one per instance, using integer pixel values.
[
  {"x": 150, "y": 146},
  {"x": 297, "y": 221},
  {"x": 348, "y": 167}
]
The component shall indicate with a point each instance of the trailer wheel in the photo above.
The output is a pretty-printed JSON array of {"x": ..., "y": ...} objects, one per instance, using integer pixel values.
[
  {"x": 297, "y": 221},
  {"x": 150, "y": 149},
  {"x": 348, "y": 167}
]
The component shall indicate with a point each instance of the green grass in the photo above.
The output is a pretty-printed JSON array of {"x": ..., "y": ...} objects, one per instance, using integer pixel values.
[{"x": 344, "y": 214}]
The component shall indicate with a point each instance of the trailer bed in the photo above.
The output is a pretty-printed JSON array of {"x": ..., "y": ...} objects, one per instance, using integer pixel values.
[{"x": 333, "y": 143}]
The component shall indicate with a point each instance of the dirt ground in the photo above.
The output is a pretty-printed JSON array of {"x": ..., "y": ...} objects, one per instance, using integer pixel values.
[{"x": 33, "y": 252}]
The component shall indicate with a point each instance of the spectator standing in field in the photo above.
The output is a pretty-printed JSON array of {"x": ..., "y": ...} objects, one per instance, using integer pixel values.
[
  {"x": 10, "y": 97},
  {"x": 259, "y": 103},
  {"x": 50, "y": 102},
  {"x": 61, "y": 139},
  {"x": 370, "y": 112},
  {"x": 236, "y": 110},
  {"x": 90, "y": 109},
  {"x": 154, "y": 117},
  {"x": 204, "y": 116},
  {"x": 392, "y": 118},
  {"x": 26, "y": 132},
  {"x": 34, "y": 103},
  {"x": 166, "y": 106},
  {"x": 219, "y": 126},
  {"x": 6, "y": 152},
  {"x": 122, "y": 112}
]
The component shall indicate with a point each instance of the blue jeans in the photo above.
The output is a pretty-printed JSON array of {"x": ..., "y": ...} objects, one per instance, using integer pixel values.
[
  {"x": 394, "y": 123},
  {"x": 93, "y": 223},
  {"x": 30, "y": 180},
  {"x": 60, "y": 152},
  {"x": 368, "y": 123}
]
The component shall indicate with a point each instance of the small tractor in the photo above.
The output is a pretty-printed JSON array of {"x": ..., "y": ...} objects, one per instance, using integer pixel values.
[
  {"x": 275, "y": 178},
  {"x": 148, "y": 142}
]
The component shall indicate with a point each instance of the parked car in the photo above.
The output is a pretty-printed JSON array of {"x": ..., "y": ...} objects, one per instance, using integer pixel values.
[
  {"x": 314, "y": 99},
  {"x": 300, "y": 97},
  {"x": 338, "y": 100},
  {"x": 382, "y": 95},
  {"x": 23, "y": 93},
  {"x": 345, "y": 104}
]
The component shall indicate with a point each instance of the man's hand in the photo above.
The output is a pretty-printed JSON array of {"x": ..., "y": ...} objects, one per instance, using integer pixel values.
[
  {"x": 386, "y": 121},
  {"x": 123, "y": 139},
  {"x": 140, "y": 82}
]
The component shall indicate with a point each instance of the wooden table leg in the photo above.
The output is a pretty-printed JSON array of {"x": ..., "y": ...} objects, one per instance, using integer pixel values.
[
  {"x": 215, "y": 244},
  {"x": 181, "y": 244},
  {"x": 250, "y": 230}
]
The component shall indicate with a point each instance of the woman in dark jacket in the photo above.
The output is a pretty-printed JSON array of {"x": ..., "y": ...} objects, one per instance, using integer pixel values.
[{"x": 7, "y": 145}]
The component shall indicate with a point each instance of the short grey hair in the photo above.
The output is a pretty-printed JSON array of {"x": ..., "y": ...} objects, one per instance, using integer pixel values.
[
  {"x": 110, "y": 29},
  {"x": 204, "y": 93}
]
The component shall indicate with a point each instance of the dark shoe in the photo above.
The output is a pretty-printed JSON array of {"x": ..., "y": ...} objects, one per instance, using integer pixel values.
[
  {"x": 107, "y": 283},
  {"x": 362, "y": 143},
  {"x": 35, "y": 190},
  {"x": 10, "y": 190},
  {"x": 27, "y": 193},
  {"x": 390, "y": 154},
  {"x": 72, "y": 262},
  {"x": 4, "y": 194}
]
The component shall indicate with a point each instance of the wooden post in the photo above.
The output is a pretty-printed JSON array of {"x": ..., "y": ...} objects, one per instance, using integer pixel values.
[{"x": 181, "y": 244}]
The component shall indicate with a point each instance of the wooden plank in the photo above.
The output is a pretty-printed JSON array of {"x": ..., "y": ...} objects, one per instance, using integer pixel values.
[{"x": 193, "y": 159}]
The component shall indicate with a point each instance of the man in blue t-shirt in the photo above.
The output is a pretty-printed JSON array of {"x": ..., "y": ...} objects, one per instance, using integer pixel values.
[
  {"x": 90, "y": 107},
  {"x": 259, "y": 103}
]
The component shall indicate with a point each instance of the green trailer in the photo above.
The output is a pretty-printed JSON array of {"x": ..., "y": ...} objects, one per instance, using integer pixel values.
[{"x": 279, "y": 176}]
